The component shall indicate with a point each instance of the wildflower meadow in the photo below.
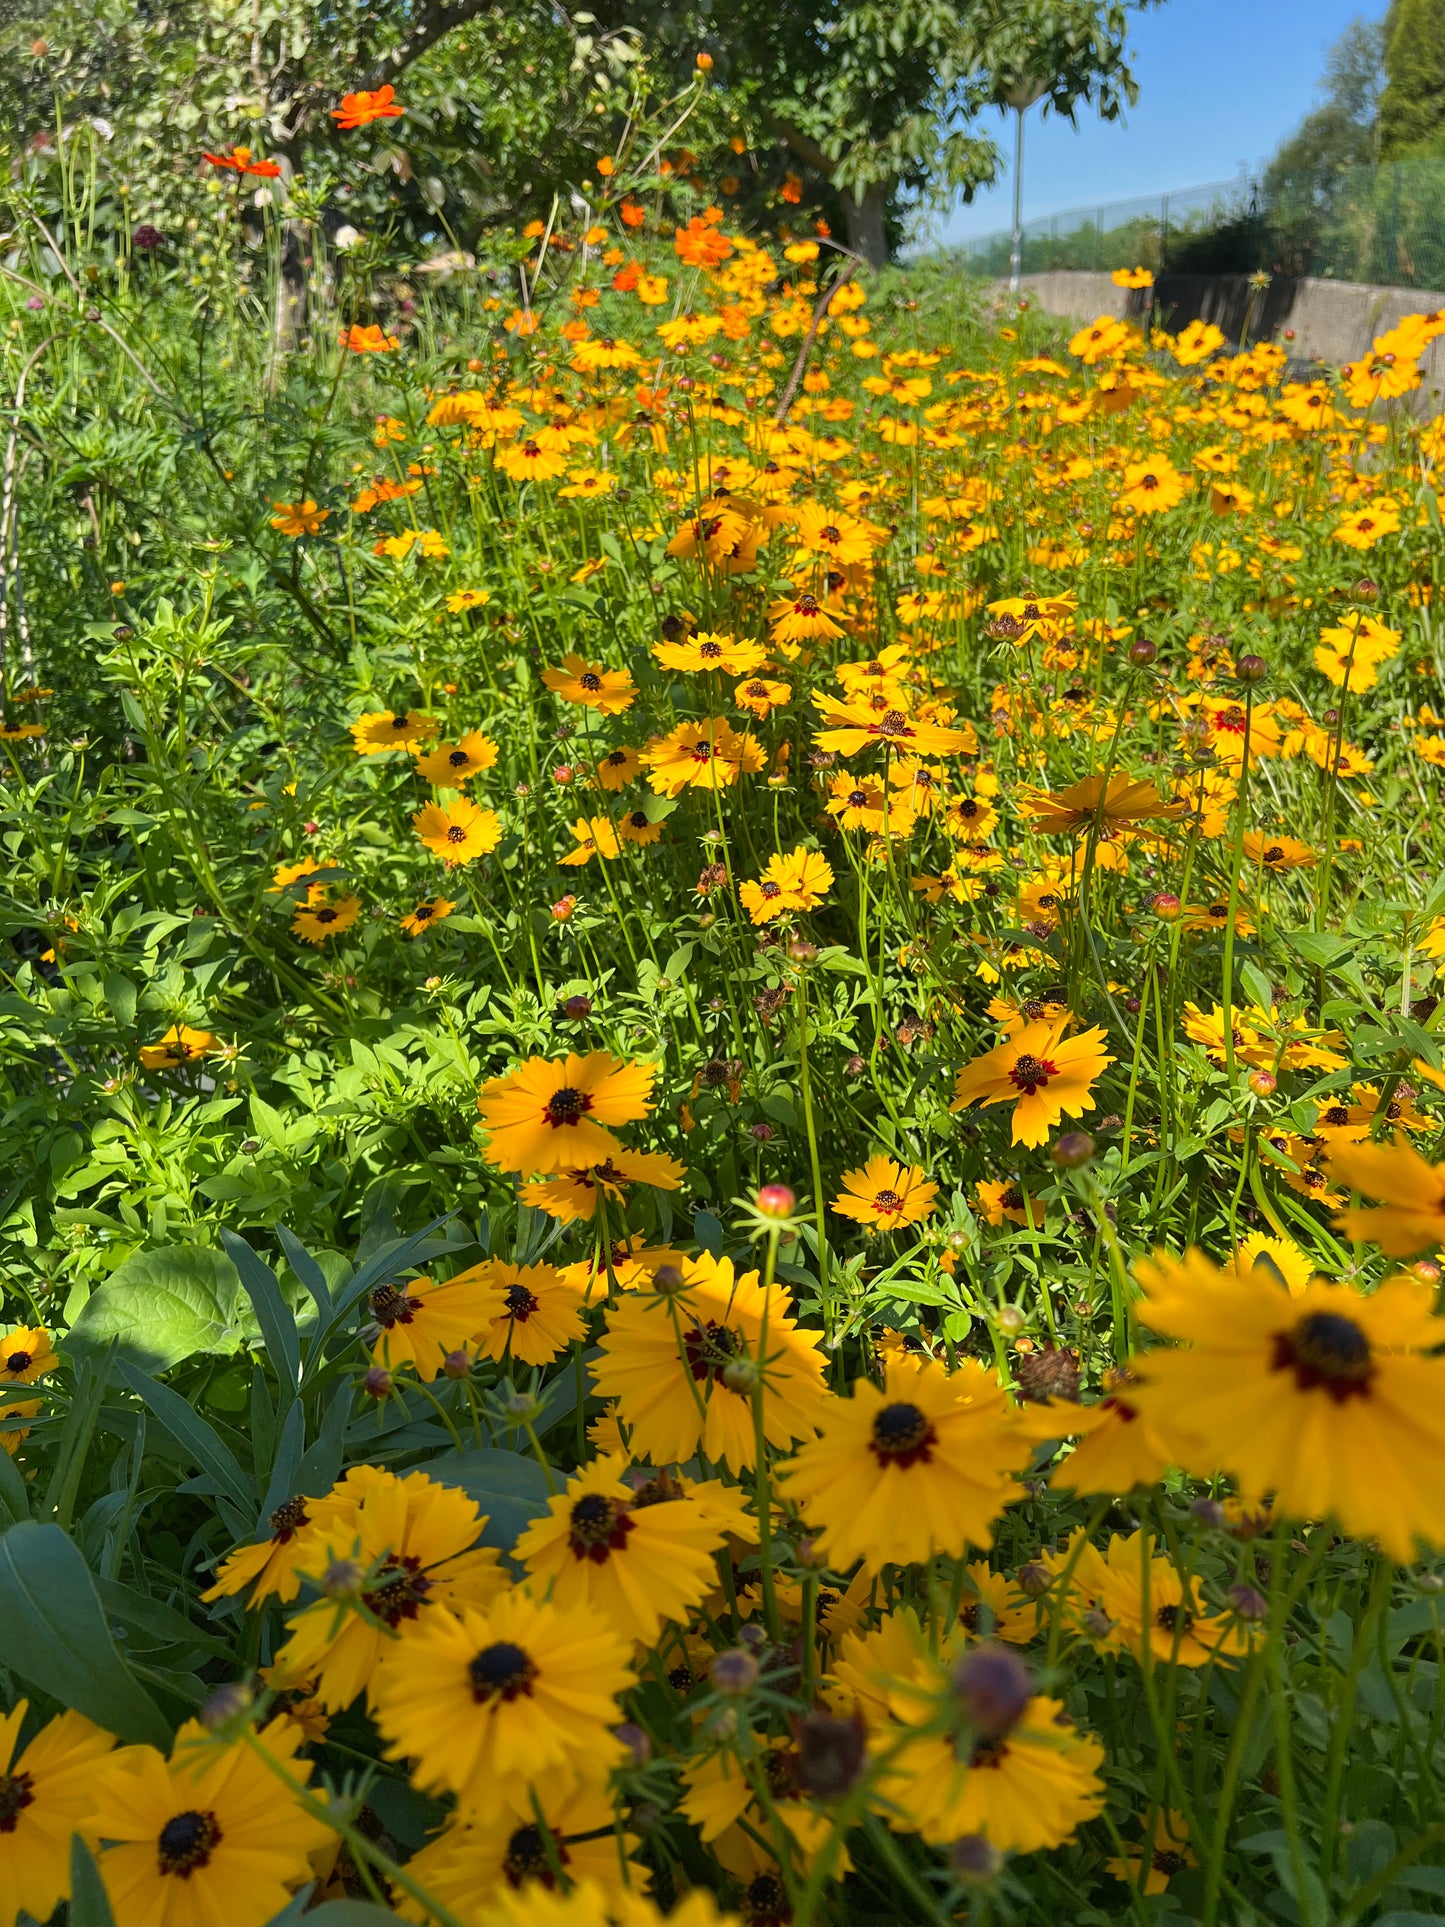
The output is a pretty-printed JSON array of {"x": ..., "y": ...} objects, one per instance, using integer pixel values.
[{"x": 724, "y": 1110}]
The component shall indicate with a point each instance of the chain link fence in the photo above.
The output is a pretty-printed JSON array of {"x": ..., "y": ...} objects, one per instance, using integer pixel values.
[{"x": 1372, "y": 224}]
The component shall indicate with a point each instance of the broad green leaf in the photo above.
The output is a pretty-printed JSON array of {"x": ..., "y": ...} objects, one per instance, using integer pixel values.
[
  {"x": 57, "y": 1638},
  {"x": 273, "y": 1314},
  {"x": 161, "y": 1307},
  {"x": 89, "y": 1902},
  {"x": 510, "y": 1488},
  {"x": 189, "y": 1429}
]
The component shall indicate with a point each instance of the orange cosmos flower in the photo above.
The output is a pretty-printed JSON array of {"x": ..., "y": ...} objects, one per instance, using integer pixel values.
[
  {"x": 367, "y": 341},
  {"x": 1044, "y": 1075},
  {"x": 633, "y": 213},
  {"x": 239, "y": 162},
  {"x": 360, "y": 109}
]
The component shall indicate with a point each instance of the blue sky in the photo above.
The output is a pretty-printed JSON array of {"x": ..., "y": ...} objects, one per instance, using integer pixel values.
[{"x": 1220, "y": 82}]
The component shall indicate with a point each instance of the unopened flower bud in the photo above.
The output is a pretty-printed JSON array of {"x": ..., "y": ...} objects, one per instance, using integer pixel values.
[
  {"x": 762, "y": 1133},
  {"x": 733, "y": 1673},
  {"x": 742, "y": 1375},
  {"x": 1142, "y": 652},
  {"x": 637, "y": 1741},
  {"x": 563, "y": 773},
  {"x": 753, "y": 1636},
  {"x": 1262, "y": 1083},
  {"x": 521, "y": 1407},
  {"x": 1248, "y": 1602},
  {"x": 809, "y": 1557},
  {"x": 776, "y": 1201},
  {"x": 1034, "y": 1579},
  {"x": 342, "y": 1579},
  {"x": 227, "y": 1703},
  {"x": 993, "y": 1689},
  {"x": 1097, "y": 1623},
  {"x": 830, "y": 1754},
  {"x": 457, "y": 1364},
  {"x": 1167, "y": 907},
  {"x": 1251, "y": 669},
  {"x": 666, "y": 1280},
  {"x": 1010, "y": 1320},
  {"x": 801, "y": 951},
  {"x": 576, "y": 1008},
  {"x": 1208, "y": 1512},
  {"x": 1073, "y": 1149},
  {"x": 1429, "y": 1582},
  {"x": 1426, "y": 1270},
  {"x": 975, "y": 1860},
  {"x": 376, "y": 1382}
]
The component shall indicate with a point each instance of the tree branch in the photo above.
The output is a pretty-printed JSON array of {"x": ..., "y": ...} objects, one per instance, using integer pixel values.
[
  {"x": 803, "y": 145},
  {"x": 433, "y": 24}
]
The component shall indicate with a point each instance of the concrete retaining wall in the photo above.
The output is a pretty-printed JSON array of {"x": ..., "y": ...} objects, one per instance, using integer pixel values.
[{"x": 1327, "y": 321}]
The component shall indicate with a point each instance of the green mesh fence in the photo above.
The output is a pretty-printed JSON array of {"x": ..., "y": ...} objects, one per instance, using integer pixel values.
[{"x": 1380, "y": 224}]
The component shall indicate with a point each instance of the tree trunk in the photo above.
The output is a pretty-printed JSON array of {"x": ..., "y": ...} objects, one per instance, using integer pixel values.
[{"x": 867, "y": 234}]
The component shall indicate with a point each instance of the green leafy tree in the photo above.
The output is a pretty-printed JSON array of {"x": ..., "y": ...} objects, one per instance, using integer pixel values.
[
  {"x": 877, "y": 102},
  {"x": 1303, "y": 182},
  {"x": 1412, "y": 108}
]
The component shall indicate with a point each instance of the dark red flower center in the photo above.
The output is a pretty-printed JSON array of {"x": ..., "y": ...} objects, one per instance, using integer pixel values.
[
  {"x": 599, "y": 1527},
  {"x": 770, "y": 889},
  {"x": 887, "y": 1201},
  {"x": 287, "y": 1520},
  {"x": 527, "y": 1859},
  {"x": 458, "y": 758},
  {"x": 501, "y": 1671},
  {"x": 894, "y": 723},
  {"x": 19, "y": 1362},
  {"x": 520, "y": 1303},
  {"x": 187, "y": 1842},
  {"x": 709, "y": 651},
  {"x": 1030, "y": 1073},
  {"x": 401, "y": 1589},
  {"x": 903, "y": 1435},
  {"x": 708, "y": 1348},
  {"x": 17, "y": 1791},
  {"x": 589, "y": 681},
  {"x": 392, "y": 1307},
  {"x": 1327, "y": 1352},
  {"x": 566, "y": 1106}
]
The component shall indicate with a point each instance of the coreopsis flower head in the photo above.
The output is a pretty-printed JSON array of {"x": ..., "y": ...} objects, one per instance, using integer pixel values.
[
  {"x": 495, "y": 1859},
  {"x": 1152, "y": 486},
  {"x": 789, "y": 884},
  {"x": 1119, "y": 800},
  {"x": 858, "y": 725},
  {"x": 1004, "y": 1201},
  {"x": 1197, "y": 343},
  {"x": 761, "y": 695},
  {"x": 532, "y": 459},
  {"x": 592, "y": 836},
  {"x": 383, "y": 729},
  {"x": 1379, "y": 377},
  {"x": 179, "y": 1045},
  {"x": 589, "y": 1905},
  {"x": 1411, "y": 1215},
  {"x": 1102, "y": 340},
  {"x": 1332, "y": 1401},
  {"x": 1017, "y": 619},
  {"x": 722, "y": 1802},
  {"x": 298, "y": 518},
  {"x": 271, "y": 1567},
  {"x": 617, "y": 768},
  {"x": 450, "y": 765},
  {"x": 859, "y": 803},
  {"x": 46, "y": 1791},
  {"x": 682, "y": 1365},
  {"x": 732, "y": 655},
  {"x": 714, "y": 533},
  {"x": 593, "y": 685},
  {"x": 1028, "y": 1786},
  {"x": 604, "y": 351},
  {"x": 1351, "y": 654},
  {"x": 1118, "y": 1449},
  {"x": 707, "y": 755},
  {"x": 1163, "y": 1852},
  {"x": 317, "y": 921},
  {"x": 573, "y": 1196},
  {"x": 842, "y": 538},
  {"x": 208, "y": 1834},
  {"x": 363, "y": 107},
  {"x": 885, "y": 1195},
  {"x": 553, "y": 1116},
  {"x": 488, "y": 1703},
  {"x": 368, "y": 340},
  {"x": 631, "y": 1565},
  {"x": 458, "y": 832},
  {"x": 426, "y": 914},
  {"x": 1366, "y": 526},
  {"x": 1154, "y": 1608},
  {"x": 420, "y": 1322},
  {"x": 1278, "y": 853},
  {"x": 1132, "y": 278},
  {"x": 239, "y": 161},
  {"x": 527, "y": 1312},
  {"x": 801, "y": 618},
  {"x": 408, "y": 1548},
  {"x": 922, "y": 1466},
  {"x": 1041, "y": 1072}
]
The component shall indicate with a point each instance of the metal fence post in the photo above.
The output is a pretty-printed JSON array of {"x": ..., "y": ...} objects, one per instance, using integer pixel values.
[
  {"x": 1163, "y": 232},
  {"x": 1392, "y": 243}
]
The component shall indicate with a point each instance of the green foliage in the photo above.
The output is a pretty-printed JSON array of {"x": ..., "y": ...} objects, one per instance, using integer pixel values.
[{"x": 1412, "y": 107}]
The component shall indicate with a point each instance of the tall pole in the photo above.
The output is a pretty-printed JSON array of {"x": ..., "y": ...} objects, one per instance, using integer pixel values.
[{"x": 1016, "y": 240}]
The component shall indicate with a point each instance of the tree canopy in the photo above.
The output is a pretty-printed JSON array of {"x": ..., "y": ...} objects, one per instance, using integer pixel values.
[{"x": 1412, "y": 108}]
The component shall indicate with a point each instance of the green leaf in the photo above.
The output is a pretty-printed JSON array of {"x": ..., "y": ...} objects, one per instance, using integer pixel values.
[
  {"x": 161, "y": 1307},
  {"x": 306, "y": 1269},
  {"x": 343, "y": 1913},
  {"x": 273, "y": 1314},
  {"x": 510, "y": 1488},
  {"x": 189, "y": 1429},
  {"x": 707, "y": 1228},
  {"x": 1318, "y": 947},
  {"x": 89, "y": 1902},
  {"x": 57, "y": 1639}
]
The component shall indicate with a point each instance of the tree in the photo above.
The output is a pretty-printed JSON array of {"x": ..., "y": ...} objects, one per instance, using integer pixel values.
[
  {"x": 1302, "y": 182},
  {"x": 877, "y": 101},
  {"x": 1412, "y": 108}
]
